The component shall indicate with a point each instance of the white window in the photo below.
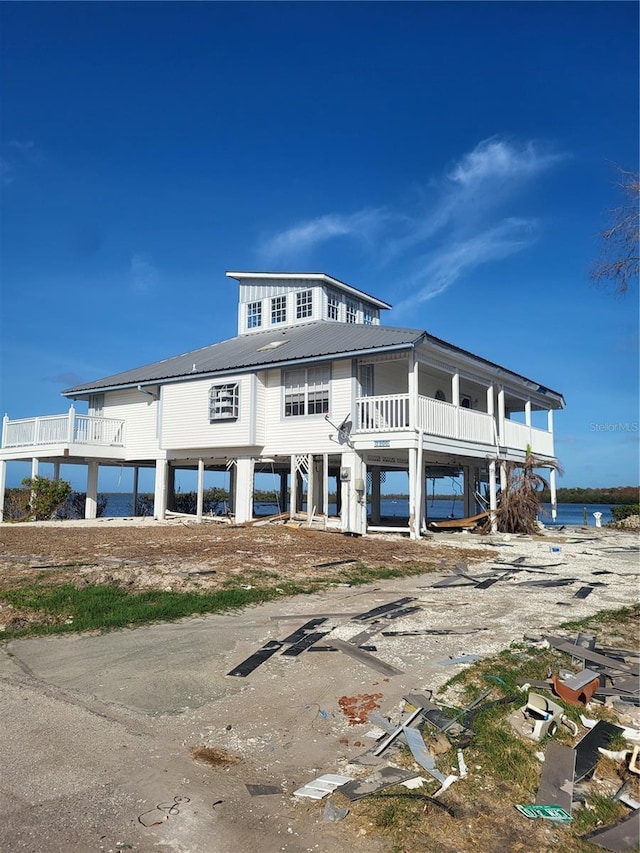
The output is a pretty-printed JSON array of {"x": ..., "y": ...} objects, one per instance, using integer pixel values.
[
  {"x": 333, "y": 307},
  {"x": 368, "y": 317},
  {"x": 279, "y": 309},
  {"x": 306, "y": 391},
  {"x": 304, "y": 304},
  {"x": 352, "y": 312},
  {"x": 254, "y": 315},
  {"x": 223, "y": 402},
  {"x": 96, "y": 405}
]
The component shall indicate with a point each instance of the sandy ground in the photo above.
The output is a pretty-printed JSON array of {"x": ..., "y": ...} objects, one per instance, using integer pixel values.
[{"x": 99, "y": 729}]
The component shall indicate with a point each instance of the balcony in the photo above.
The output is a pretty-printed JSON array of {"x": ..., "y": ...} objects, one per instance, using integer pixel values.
[
  {"x": 391, "y": 413},
  {"x": 67, "y": 429}
]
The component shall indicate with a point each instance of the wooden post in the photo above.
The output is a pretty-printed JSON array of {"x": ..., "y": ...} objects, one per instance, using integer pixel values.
[
  {"x": 200, "y": 496},
  {"x": 493, "y": 505}
]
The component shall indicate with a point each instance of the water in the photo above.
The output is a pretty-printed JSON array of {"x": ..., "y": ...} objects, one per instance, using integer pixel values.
[{"x": 119, "y": 505}]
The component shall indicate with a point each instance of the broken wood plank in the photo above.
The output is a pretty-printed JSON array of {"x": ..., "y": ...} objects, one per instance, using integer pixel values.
[
  {"x": 253, "y": 661},
  {"x": 587, "y": 755},
  {"x": 593, "y": 657},
  {"x": 397, "y": 731},
  {"x": 382, "y": 609},
  {"x": 365, "y": 658},
  {"x": 556, "y": 782},
  {"x": 619, "y": 837},
  {"x": 383, "y": 778}
]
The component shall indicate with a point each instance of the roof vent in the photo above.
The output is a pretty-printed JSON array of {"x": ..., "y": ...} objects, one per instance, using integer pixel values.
[{"x": 272, "y": 345}]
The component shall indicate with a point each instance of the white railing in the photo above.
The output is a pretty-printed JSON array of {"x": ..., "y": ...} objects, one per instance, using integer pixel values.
[
  {"x": 520, "y": 436},
  {"x": 63, "y": 429},
  {"x": 382, "y": 414},
  {"x": 391, "y": 412}
]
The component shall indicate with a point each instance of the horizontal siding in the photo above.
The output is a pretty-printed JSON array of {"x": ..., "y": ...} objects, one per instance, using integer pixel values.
[
  {"x": 140, "y": 413},
  {"x": 307, "y": 433},
  {"x": 185, "y": 416}
]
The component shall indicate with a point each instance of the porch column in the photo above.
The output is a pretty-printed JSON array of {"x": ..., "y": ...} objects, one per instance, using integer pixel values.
[
  {"x": 501, "y": 412},
  {"x": 293, "y": 492},
  {"x": 91, "y": 503},
  {"x": 413, "y": 391},
  {"x": 3, "y": 484},
  {"x": 455, "y": 399},
  {"x": 35, "y": 465},
  {"x": 232, "y": 487},
  {"x": 134, "y": 496},
  {"x": 375, "y": 494},
  {"x": 493, "y": 504},
  {"x": 550, "y": 427},
  {"x": 244, "y": 489},
  {"x": 56, "y": 470},
  {"x": 200, "y": 496},
  {"x": 160, "y": 490},
  {"x": 527, "y": 420},
  {"x": 552, "y": 489},
  {"x": 491, "y": 411}
]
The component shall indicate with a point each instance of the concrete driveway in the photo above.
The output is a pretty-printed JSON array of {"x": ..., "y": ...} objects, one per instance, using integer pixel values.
[{"x": 97, "y": 729}]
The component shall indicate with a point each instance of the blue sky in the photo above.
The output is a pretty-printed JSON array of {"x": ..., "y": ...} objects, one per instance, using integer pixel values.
[{"x": 454, "y": 159}]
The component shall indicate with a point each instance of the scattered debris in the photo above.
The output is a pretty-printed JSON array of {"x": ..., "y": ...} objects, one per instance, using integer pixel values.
[
  {"x": 383, "y": 778},
  {"x": 620, "y": 836},
  {"x": 323, "y": 785},
  {"x": 587, "y": 755},
  {"x": 263, "y": 790},
  {"x": 214, "y": 756},
  {"x": 556, "y": 782},
  {"x": 539, "y": 717},
  {"x": 331, "y": 813},
  {"x": 358, "y": 708},
  {"x": 555, "y": 813},
  {"x": 167, "y": 810}
]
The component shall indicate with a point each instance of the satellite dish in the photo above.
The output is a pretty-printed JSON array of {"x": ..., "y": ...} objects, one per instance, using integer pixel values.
[{"x": 343, "y": 430}]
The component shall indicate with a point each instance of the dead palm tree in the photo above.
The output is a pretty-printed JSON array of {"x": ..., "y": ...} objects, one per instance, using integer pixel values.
[{"x": 519, "y": 502}]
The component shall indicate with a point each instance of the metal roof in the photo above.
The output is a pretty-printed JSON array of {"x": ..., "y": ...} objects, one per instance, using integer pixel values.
[
  {"x": 306, "y": 342},
  {"x": 300, "y": 343}
]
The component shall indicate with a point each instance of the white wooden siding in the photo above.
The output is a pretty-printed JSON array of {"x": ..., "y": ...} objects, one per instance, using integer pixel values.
[
  {"x": 185, "y": 415},
  {"x": 140, "y": 414},
  {"x": 306, "y": 433}
]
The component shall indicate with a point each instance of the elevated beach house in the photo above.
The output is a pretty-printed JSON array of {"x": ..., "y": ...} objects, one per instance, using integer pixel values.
[{"x": 313, "y": 389}]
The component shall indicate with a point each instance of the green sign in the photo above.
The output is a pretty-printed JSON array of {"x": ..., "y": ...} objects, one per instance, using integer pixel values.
[{"x": 556, "y": 813}]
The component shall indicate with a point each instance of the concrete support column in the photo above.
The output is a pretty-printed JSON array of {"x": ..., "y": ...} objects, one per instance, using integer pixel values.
[
  {"x": 282, "y": 504},
  {"x": 293, "y": 494},
  {"x": 232, "y": 488},
  {"x": 325, "y": 484},
  {"x": 35, "y": 466},
  {"x": 160, "y": 490},
  {"x": 244, "y": 489},
  {"x": 134, "y": 496},
  {"x": 376, "y": 479},
  {"x": 56, "y": 470},
  {"x": 421, "y": 498},
  {"x": 503, "y": 477},
  {"x": 3, "y": 487},
  {"x": 311, "y": 487},
  {"x": 171, "y": 487},
  {"x": 493, "y": 505},
  {"x": 354, "y": 494},
  {"x": 413, "y": 457},
  {"x": 200, "y": 496},
  {"x": 91, "y": 504},
  {"x": 552, "y": 489},
  {"x": 469, "y": 504}
]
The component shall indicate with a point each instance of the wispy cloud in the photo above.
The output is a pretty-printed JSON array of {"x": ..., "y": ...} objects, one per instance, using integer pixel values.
[
  {"x": 449, "y": 263},
  {"x": 465, "y": 218},
  {"x": 143, "y": 274},
  {"x": 301, "y": 238}
]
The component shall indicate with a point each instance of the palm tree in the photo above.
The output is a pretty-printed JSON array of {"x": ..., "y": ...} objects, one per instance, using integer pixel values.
[{"x": 519, "y": 502}]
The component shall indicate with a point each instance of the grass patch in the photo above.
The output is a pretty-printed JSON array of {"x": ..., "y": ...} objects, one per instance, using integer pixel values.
[
  {"x": 54, "y": 608},
  {"x": 106, "y": 607}
]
